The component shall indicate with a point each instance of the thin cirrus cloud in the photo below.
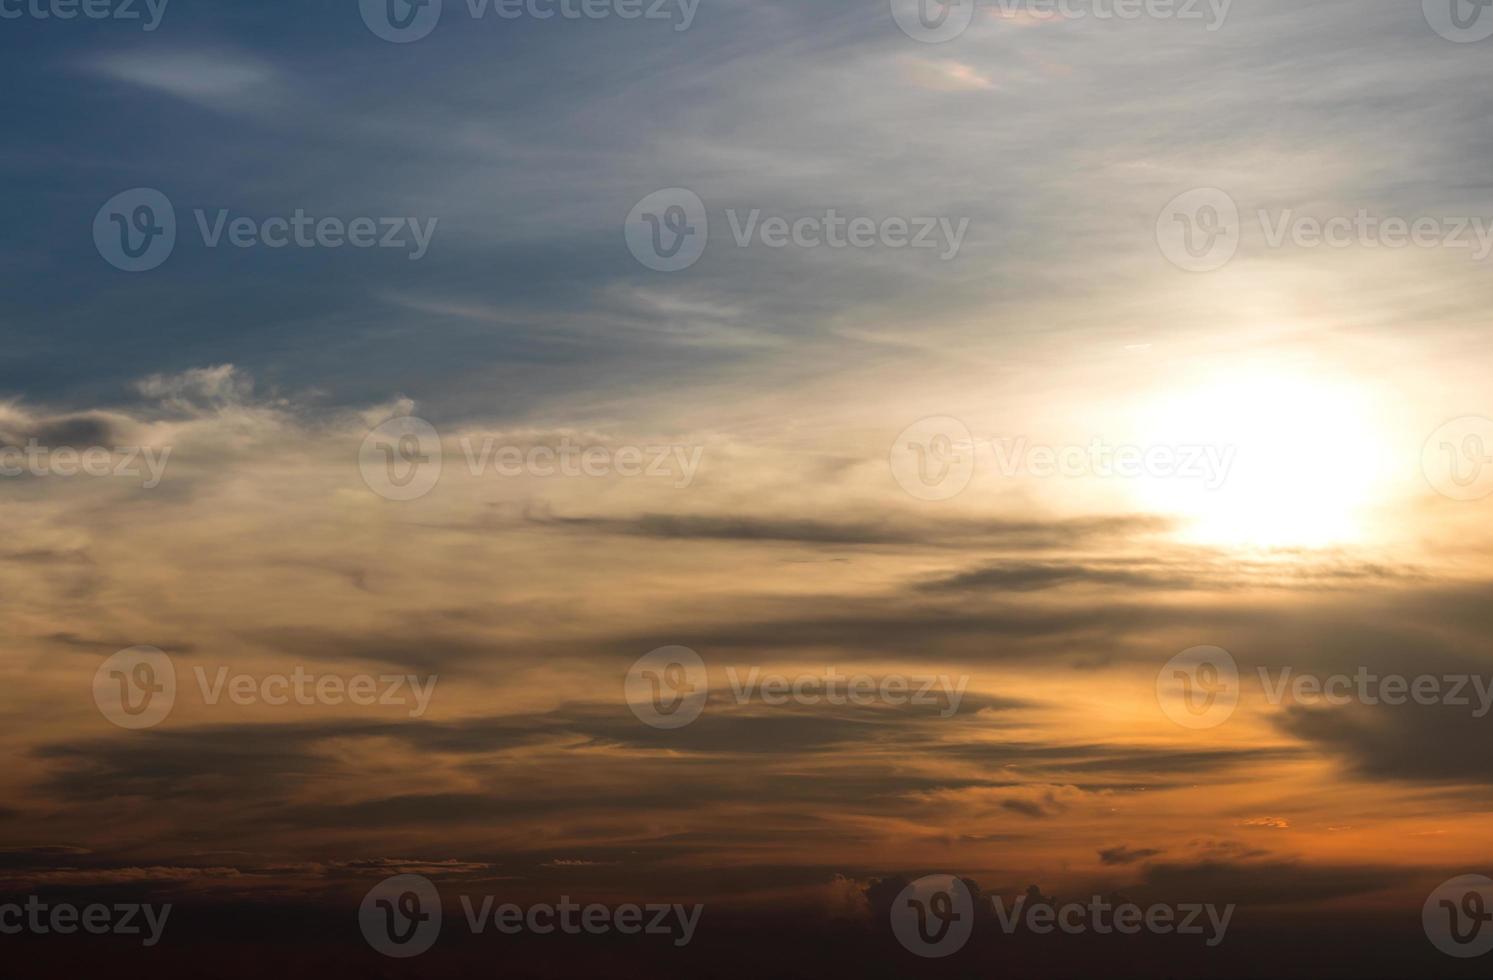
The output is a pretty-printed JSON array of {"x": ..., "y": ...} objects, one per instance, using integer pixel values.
[{"x": 220, "y": 80}]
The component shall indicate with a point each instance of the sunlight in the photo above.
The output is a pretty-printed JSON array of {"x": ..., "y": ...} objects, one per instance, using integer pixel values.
[{"x": 1307, "y": 459}]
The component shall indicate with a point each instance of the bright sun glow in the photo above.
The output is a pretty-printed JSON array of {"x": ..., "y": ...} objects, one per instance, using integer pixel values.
[{"x": 1306, "y": 459}]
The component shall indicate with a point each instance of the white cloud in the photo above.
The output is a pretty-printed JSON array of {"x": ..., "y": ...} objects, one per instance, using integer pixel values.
[{"x": 216, "y": 79}]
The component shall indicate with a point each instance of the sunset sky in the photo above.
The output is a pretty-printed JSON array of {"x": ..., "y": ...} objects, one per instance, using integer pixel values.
[{"x": 787, "y": 528}]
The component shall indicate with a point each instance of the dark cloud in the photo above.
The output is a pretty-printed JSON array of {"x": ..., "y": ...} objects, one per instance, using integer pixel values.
[
  {"x": 74, "y": 432},
  {"x": 1271, "y": 883},
  {"x": 872, "y": 531},
  {"x": 1126, "y": 855},
  {"x": 1033, "y": 577},
  {"x": 409, "y": 648},
  {"x": 1417, "y": 743}
]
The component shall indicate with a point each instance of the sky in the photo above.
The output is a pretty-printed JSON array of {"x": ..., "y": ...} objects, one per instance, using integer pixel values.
[{"x": 1010, "y": 367}]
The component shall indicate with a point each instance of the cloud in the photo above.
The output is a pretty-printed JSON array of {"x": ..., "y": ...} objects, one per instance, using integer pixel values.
[
  {"x": 959, "y": 533},
  {"x": 1415, "y": 743},
  {"x": 1271, "y": 883},
  {"x": 944, "y": 75},
  {"x": 220, "y": 80},
  {"x": 1121, "y": 855}
]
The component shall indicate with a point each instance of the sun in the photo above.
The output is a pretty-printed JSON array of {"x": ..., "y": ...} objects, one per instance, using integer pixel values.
[{"x": 1306, "y": 459}]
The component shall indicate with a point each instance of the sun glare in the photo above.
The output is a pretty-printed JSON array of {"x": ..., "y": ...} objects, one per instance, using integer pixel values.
[{"x": 1304, "y": 460}]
